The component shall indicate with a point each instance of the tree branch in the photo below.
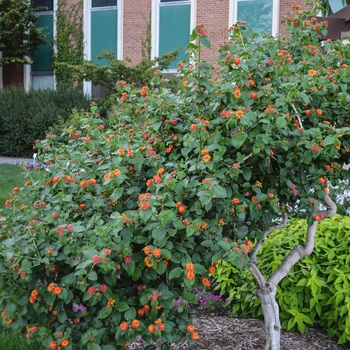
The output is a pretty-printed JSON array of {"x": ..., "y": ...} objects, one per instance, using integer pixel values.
[
  {"x": 254, "y": 253},
  {"x": 300, "y": 251}
]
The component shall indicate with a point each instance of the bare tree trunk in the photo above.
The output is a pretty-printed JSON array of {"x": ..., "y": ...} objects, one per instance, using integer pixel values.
[
  {"x": 272, "y": 325},
  {"x": 267, "y": 288}
]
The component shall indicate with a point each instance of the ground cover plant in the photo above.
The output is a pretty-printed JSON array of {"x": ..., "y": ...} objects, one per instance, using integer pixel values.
[
  {"x": 111, "y": 241},
  {"x": 314, "y": 294}
]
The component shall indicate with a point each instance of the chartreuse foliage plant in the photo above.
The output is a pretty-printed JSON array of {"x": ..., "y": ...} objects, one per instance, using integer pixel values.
[
  {"x": 130, "y": 217},
  {"x": 316, "y": 290}
]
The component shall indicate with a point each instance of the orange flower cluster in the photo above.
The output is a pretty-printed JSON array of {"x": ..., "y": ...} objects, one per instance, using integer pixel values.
[
  {"x": 211, "y": 270},
  {"x": 124, "y": 326},
  {"x": 135, "y": 324},
  {"x": 190, "y": 275},
  {"x": 8, "y": 319},
  {"x": 156, "y": 253},
  {"x": 143, "y": 310},
  {"x": 52, "y": 287},
  {"x": 191, "y": 330},
  {"x": 206, "y": 159},
  {"x": 180, "y": 208},
  {"x": 53, "y": 344},
  {"x": 123, "y": 97},
  {"x": 226, "y": 114},
  {"x": 157, "y": 326},
  {"x": 205, "y": 282},
  {"x": 318, "y": 217},
  {"x": 64, "y": 342},
  {"x": 30, "y": 330},
  {"x": 110, "y": 302},
  {"x": 34, "y": 294}
]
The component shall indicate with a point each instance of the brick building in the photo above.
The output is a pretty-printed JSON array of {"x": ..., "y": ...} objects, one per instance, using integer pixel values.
[{"x": 122, "y": 25}]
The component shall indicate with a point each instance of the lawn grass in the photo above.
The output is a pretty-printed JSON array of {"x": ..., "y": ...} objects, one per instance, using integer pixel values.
[
  {"x": 10, "y": 176},
  {"x": 15, "y": 341}
]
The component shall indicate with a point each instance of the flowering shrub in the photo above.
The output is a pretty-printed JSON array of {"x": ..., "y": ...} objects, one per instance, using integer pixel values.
[{"x": 129, "y": 218}]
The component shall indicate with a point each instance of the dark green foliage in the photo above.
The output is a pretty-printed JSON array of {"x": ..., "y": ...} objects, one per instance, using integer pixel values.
[
  {"x": 26, "y": 117},
  {"x": 19, "y": 35},
  {"x": 316, "y": 291}
]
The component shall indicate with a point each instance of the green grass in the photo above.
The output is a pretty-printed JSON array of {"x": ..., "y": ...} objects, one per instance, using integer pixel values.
[
  {"x": 10, "y": 176},
  {"x": 15, "y": 341}
]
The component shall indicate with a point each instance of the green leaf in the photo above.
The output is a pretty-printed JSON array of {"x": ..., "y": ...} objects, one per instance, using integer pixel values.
[
  {"x": 226, "y": 246},
  {"x": 329, "y": 140},
  {"x": 247, "y": 173},
  {"x": 205, "y": 41},
  {"x": 92, "y": 276},
  {"x": 219, "y": 192},
  {"x": 175, "y": 273},
  {"x": 159, "y": 234},
  {"x": 122, "y": 306},
  {"x": 238, "y": 139},
  {"x": 165, "y": 215},
  {"x": 62, "y": 316},
  {"x": 130, "y": 314},
  {"x": 129, "y": 267},
  {"x": 105, "y": 312},
  {"x": 145, "y": 215},
  {"x": 108, "y": 347},
  {"x": 281, "y": 122}
]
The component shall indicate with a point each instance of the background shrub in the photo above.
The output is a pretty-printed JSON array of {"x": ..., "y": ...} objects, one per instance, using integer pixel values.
[
  {"x": 316, "y": 291},
  {"x": 26, "y": 117}
]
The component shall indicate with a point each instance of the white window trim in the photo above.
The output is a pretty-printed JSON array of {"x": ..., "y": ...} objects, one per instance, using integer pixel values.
[
  {"x": 232, "y": 18},
  {"x": 155, "y": 24},
  {"x": 87, "y": 85}
]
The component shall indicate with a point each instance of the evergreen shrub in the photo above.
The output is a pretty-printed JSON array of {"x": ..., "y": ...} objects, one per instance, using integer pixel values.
[{"x": 27, "y": 116}]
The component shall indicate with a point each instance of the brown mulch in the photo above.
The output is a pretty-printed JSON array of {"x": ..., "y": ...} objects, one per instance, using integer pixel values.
[{"x": 220, "y": 332}]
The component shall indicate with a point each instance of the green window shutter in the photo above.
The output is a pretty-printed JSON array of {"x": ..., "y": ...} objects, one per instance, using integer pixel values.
[
  {"x": 174, "y": 29},
  {"x": 43, "y": 58},
  {"x": 104, "y": 33},
  {"x": 257, "y": 14}
]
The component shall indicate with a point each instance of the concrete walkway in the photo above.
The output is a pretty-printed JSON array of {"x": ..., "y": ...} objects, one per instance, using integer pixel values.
[{"x": 14, "y": 160}]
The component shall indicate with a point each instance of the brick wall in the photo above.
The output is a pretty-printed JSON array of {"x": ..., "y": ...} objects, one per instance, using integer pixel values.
[
  {"x": 12, "y": 75},
  {"x": 135, "y": 28},
  {"x": 214, "y": 16}
]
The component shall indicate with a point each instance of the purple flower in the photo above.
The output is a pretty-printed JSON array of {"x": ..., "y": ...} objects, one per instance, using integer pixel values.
[{"x": 177, "y": 302}]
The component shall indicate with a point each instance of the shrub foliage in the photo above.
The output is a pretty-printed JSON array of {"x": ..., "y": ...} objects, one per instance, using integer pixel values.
[
  {"x": 27, "y": 116},
  {"x": 128, "y": 219}
]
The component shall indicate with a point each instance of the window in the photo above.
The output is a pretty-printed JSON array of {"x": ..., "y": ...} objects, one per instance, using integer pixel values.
[
  {"x": 260, "y": 15},
  {"x": 174, "y": 28},
  {"x": 41, "y": 69},
  {"x": 43, "y": 5},
  {"x": 171, "y": 0},
  {"x": 104, "y": 3}
]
